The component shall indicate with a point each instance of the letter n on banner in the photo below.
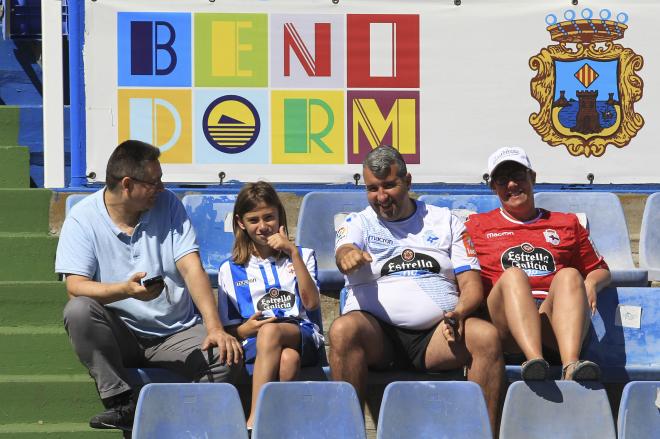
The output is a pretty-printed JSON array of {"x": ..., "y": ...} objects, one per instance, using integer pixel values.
[
  {"x": 307, "y": 51},
  {"x": 383, "y": 51},
  {"x": 383, "y": 117}
]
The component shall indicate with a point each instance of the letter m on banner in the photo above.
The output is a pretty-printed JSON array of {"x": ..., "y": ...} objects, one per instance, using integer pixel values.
[{"x": 383, "y": 117}]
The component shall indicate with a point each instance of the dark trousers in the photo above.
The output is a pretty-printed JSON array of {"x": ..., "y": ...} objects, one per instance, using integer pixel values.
[{"x": 106, "y": 346}]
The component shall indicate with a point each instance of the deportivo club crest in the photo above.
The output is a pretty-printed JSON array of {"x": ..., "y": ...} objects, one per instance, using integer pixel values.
[{"x": 586, "y": 85}]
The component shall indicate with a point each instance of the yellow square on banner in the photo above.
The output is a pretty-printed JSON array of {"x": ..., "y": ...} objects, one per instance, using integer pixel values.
[
  {"x": 159, "y": 117},
  {"x": 307, "y": 127}
]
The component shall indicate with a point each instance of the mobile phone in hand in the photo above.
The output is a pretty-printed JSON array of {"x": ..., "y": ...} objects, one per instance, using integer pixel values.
[{"x": 152, "y": 281}]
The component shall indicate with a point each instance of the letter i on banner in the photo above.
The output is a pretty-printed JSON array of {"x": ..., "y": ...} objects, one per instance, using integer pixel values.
[{"x": 382, "y": 56}]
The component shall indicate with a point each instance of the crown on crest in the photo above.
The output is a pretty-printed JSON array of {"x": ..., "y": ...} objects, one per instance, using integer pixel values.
[{"x": 587, "y": 29}]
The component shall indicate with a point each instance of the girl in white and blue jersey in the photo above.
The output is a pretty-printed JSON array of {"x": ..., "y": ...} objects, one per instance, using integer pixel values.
[{"x": 265, "y": 289}]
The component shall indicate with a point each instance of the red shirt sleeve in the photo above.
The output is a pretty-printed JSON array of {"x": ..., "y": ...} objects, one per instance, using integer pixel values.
[{"x": 587, "y": 258}]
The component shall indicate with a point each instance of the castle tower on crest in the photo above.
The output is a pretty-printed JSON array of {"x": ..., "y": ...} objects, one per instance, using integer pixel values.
[{"x": 587, "y": 121}]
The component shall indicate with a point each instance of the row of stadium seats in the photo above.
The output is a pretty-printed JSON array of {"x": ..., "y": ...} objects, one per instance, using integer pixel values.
[
  {"x": 415, "y": 409},
  {"x": 623, "y": 340},
  {"x": 602, "y": 211},
  {"x": 625, "y": 330}
]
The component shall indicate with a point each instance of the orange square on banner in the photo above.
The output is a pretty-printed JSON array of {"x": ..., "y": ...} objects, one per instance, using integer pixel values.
[{"x": 159, "y": 117}]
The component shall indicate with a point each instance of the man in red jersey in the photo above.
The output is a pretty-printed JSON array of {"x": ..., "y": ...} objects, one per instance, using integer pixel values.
[{"x": 531, "y": 258}]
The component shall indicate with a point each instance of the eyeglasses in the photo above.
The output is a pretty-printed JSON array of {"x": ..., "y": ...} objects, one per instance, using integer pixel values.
[
  {"x": 151, "y": 184},
  {"x": 517, "y": 176}
]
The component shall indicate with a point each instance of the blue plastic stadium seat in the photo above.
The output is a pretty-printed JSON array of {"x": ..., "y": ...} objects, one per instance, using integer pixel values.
[
  {"x": 143, "y": 376},
  {"x": 626, "y": 353},
  {"x": 607, "y": 227},
  {"x": 639, "y": 412},
  {"x": 623, "y": 353},
  {"x": 649, "y": 238},
  {"x": 474, "y": 203},
  {"x": 189, "y": 410},
  {"x": 556, "y": 409},
  {"x": 72, "y": 200},
  {"x": 211, "y": 216},
  {"x": 303, "y": 409},
  {"x": 316, "y": 229},
  {"x": 425, "y": 409}
]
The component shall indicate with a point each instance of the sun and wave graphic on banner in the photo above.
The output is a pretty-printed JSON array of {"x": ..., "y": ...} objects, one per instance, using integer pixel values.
[{"x": 587, "y": 85}]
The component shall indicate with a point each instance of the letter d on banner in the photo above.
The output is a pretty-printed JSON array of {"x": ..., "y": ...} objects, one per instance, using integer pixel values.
[{"x": 149, "y": 123}]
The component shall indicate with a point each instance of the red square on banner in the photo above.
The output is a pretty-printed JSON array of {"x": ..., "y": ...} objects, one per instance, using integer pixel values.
[{"x": 383, "y": 51}]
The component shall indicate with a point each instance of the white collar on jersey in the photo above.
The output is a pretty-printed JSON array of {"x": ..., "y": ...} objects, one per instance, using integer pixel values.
[{"x": 513, "y": 220}]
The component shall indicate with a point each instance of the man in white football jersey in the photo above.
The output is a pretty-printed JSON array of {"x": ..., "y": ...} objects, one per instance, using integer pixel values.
[{"x": 412, "y": 281}]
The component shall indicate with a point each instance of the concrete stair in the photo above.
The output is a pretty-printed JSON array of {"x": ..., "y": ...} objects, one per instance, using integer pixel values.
[{"x": 44, "y": 390}]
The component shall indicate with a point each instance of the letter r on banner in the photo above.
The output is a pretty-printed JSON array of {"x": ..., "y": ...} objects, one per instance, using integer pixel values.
[
  {"x": 298, "y": 137},
  {"x": 308, "y": 127}
]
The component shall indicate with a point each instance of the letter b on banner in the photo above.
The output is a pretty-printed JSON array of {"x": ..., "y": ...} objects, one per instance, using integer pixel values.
[{"x": 153, "y": 50}]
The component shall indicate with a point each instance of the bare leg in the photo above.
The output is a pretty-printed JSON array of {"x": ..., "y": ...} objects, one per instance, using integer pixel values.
[
  {"x": 481, "y": 350},
  {"x": 357, "y": 342},
  {"x": 567, "y": 310},
  {"x": 487, "y": 366},
  {"x": 514, "y": 314},
  {"x": 272, "y": 339},
  {"x": 289, "y": 364}
]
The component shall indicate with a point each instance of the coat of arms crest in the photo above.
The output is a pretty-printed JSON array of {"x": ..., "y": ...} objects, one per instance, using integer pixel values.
[{"x": 587, "y": 85}]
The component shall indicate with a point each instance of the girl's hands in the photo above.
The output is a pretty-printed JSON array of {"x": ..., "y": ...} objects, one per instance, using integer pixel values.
[
  {"x": 251, "y": 326},
  {"x": 280, "y": 242}
]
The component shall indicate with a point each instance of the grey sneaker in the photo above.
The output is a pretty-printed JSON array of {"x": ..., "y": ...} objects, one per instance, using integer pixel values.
[{"x": 119, "y": 417}]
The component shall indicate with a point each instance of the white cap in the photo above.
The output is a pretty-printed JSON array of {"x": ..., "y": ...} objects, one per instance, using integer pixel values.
[{"x": 508, "y": 154}]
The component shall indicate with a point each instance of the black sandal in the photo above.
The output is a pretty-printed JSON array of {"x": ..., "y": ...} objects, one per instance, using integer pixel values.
[
  {"x": 583, "y": 370},
  {"x": 534, "y": 370}
]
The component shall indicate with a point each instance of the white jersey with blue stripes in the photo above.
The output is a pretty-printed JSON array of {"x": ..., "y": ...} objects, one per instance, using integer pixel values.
[
  {"x": 267, "y": 285},
  {"x": 411, "y": 281}
]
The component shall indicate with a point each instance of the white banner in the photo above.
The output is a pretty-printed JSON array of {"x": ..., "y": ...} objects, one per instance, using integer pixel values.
[{"x": 293, "y": 91}]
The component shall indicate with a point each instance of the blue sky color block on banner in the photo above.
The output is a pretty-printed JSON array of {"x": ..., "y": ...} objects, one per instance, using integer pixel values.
[
  {"x": 157, "y": 48},
  {"x": 244, "y": 116}
]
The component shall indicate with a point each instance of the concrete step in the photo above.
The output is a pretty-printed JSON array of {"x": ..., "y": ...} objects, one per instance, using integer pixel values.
[
  {"x": 33, "y": 350},
  {"x": 55, "y": 431},
  {"x": 27, "y": 257},
  {"x": 32, "y": 303},
  {"x": 10, "y": 119},
  {"x": 14, "y": 162},
  {"x": 24, "y": 210},
  {"x": 37, "y": 399}
]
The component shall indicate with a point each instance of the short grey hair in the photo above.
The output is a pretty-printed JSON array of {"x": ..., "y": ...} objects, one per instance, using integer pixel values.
[{"x": 380, "y": 160}]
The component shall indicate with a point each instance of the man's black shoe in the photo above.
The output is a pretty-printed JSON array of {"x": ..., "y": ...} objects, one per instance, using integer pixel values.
[{"x": 119, "y": 417}]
